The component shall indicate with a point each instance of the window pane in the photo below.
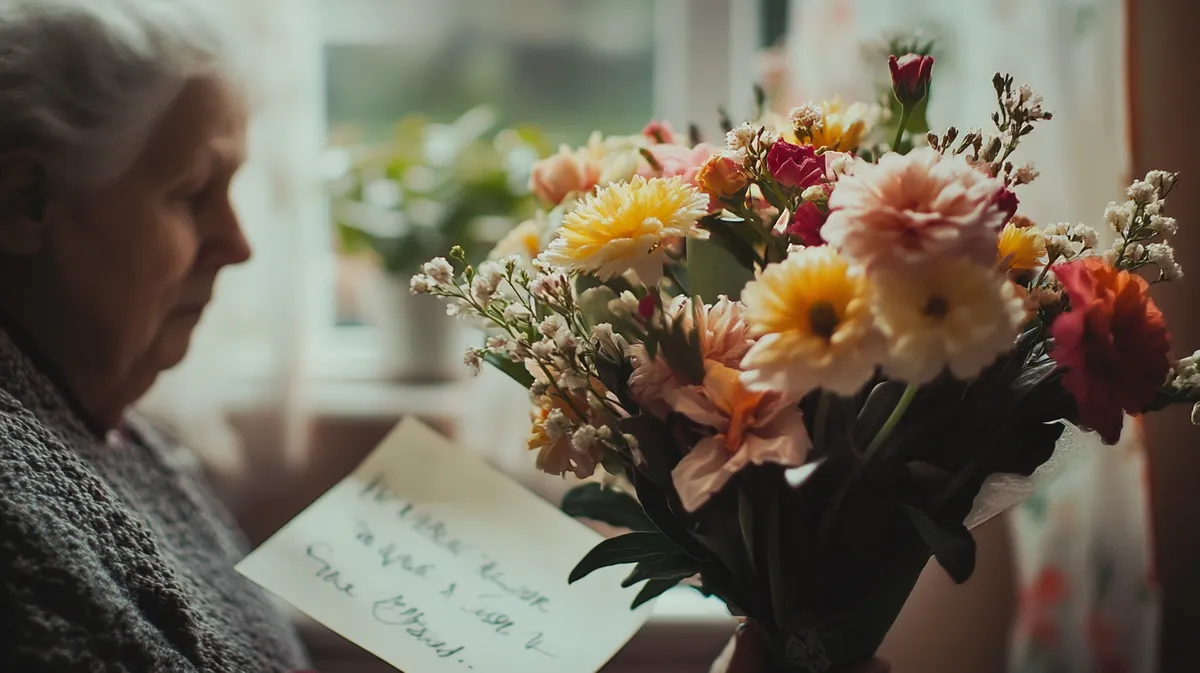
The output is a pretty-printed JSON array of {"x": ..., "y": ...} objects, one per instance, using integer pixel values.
[{"x": 566, "y": 67}]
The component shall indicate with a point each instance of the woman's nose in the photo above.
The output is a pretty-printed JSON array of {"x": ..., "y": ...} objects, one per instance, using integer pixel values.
[{"x": 226, "y": 243}]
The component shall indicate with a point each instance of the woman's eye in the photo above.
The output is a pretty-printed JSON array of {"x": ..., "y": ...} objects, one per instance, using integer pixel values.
[{"x": 194, "y": 197}]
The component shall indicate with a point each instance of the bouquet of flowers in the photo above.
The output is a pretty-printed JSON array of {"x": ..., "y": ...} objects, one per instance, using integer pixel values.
[{"x": 801, "y": 356}]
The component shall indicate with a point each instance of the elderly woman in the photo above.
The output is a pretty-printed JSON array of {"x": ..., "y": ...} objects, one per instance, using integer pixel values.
[{"x": 119, "y": 135}]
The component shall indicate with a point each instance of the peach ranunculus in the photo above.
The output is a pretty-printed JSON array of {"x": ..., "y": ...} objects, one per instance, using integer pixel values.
[
  {"x": 1113, "y": 344},
  {"x": 749, "y": 427},
  {"x": 723, "y": 174},
  {"x": 677, "y": 160},
  {"x": 724, "y": 338},
  {"x": 910, "y": 207},
  {"x": 570, "y": 171}
]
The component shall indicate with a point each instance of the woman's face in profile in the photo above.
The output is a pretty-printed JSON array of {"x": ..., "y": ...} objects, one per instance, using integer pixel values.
[{"x": 135, "y": 260}]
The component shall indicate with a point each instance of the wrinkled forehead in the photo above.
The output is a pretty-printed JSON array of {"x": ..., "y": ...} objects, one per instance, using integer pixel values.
[{"x": 206, "y": 122}]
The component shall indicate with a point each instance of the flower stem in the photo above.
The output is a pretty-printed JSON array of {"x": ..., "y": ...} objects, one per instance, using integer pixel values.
[
  {"x": 905, "y": 112},
  {"x": 825, "y": 528},
  {"x": 819, "y": 423},
  {"x": 892, "y": 421}
]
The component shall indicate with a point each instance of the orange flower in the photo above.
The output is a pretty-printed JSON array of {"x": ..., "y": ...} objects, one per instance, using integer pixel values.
[
  {"x": 1113, "y": 343},
  {"x": 749, "y": 428},
  {"x": 722, "y": 174}
]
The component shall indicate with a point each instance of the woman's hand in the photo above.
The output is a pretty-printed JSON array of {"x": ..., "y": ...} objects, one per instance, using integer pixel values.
[{"x": 744, "y": 654}]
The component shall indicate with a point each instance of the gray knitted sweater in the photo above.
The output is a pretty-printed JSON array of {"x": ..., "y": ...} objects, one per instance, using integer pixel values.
[{"x": 113, "y": 555}]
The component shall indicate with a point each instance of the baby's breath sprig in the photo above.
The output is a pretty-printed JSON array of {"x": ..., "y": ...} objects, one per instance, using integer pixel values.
[{"x": 1142, "y": 227}]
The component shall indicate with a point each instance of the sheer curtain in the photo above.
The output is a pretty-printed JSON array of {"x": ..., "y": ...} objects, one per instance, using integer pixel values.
[
  {"x": 251, "y": 350},
  {"x": 1087, "y": 601}
]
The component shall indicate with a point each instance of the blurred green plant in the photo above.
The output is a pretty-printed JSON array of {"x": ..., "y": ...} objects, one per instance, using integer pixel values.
[{"x": 432, "y": 186}]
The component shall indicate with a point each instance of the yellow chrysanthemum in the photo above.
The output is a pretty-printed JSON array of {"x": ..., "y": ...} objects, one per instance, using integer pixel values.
[
  {"x": 622, "y": 227},
  {"x": 1021, "y": 248},
  {"x": 842, "y": 128},
  {"x": 812, "y": 315},
  {"x": 524, "y": 241},
  {"x": 945, "y": 314}
]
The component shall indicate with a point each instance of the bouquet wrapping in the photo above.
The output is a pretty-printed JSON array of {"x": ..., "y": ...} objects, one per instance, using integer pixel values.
[{"x": 797, "y": 365}]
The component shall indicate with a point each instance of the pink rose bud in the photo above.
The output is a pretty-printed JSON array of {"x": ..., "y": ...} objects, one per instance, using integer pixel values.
[
  {"x": 648, "y": 305},
  {"x": 910, "y": 77},
  {"x": 722, "y": 174},
  {"x": 795, "y": 165},
  {"x": 554, "y": 177},
  {"x": 660, "y": 132},
  {"x": 1007, "y": 201}
]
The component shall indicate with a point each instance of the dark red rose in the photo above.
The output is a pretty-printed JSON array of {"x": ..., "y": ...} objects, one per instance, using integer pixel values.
[
  {"x": 910, "y": 77},
  {"x": 795, "y": 165}
]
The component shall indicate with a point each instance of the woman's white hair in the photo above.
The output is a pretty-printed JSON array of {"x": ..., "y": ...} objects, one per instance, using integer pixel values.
[{"x": 83, "y": 82}]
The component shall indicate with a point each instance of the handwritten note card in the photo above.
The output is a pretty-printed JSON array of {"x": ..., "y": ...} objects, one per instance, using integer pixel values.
[{"x": 436, "y": 563}]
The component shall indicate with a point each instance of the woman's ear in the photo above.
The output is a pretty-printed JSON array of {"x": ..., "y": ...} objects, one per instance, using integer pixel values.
[{"x": 24, "y": 194}]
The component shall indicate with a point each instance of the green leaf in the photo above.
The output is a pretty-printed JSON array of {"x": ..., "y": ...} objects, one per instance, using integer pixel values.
[
  {"x": 681, "y": 349},
  {"x": 875, "y": 411},
  {"x": 725, "y": 121},
  {"x": 593, "y": 303},
  {"x": 746, "y": 523},
  {"x": 353, "y": 240},
  {"x": 928, "y": 477},
  {"x": 627, "y": 548},
  {"x": 713, "y": 273},
  {"x": 514, "y": 370},
  {"x": 606, "y": 505},
  {"x": 652, "y": 590},
  {"x": 676, "y": 566},
  {"x": 952, "y": 544},
  {"x": 657, "y": 507}
]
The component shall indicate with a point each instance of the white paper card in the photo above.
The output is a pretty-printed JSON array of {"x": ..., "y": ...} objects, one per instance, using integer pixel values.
[{"x": 435, "y": 562}]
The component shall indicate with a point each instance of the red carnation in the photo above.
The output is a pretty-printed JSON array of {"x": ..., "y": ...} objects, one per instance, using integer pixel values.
[
  {"x": 807, "y": 222},
  {"x": 795, "y": 165},
  {"x": 1113, "y": 344}
]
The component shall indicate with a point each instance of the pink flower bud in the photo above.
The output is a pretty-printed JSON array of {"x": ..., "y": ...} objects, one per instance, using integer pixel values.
[
  {"x": 554, "y": 177},
  {"x": 648, "y": 305},
  {"x": 910, "y": 77},
  {"x": 660, "y": 132},
  {"x": 1007, "y": 201},
  {"x": 795, "y": 165}
]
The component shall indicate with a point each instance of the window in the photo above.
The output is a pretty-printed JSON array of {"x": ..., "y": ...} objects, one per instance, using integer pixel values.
[{"x": 565, "y": 67}]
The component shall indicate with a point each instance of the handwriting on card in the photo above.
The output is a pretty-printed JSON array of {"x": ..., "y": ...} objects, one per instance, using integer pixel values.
[{"x": 433, "y": 561}]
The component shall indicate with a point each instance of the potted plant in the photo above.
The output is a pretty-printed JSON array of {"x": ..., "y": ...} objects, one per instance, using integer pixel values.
[{"x": 427, "y": 187}]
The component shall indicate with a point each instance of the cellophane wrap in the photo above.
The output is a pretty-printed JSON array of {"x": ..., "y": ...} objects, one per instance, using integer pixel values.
[{"x": 1002, "y": 491}]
